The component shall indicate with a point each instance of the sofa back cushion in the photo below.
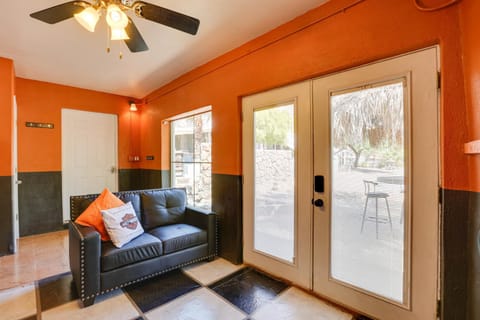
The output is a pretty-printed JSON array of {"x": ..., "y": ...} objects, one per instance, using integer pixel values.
[
  {"x": 163, "y": 207},
  {"x": 133, "y": 197},
  {"x": 78, "y": 204}
]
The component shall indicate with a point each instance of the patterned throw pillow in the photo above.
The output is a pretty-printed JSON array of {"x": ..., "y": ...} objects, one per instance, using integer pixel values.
[
  {"x": 122, "y": 224},
  {"x": 92, "y": 216}
]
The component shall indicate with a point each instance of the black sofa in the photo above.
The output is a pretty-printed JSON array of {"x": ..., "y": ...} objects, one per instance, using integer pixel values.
[{"x": 175, "y": 236}]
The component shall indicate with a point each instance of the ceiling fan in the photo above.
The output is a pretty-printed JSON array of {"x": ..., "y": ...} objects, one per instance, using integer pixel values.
[{"x": 121, "y": 25}]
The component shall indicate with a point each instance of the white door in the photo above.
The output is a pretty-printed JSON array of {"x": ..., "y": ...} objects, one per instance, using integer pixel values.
[
  {"x": 89, "y": 154},
  {"x": 15, "y": 182},
  {"x": 277, "y": 168},
  {"x": 376, "y": 144}
]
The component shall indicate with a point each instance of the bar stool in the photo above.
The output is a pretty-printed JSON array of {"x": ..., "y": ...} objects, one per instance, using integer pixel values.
[{"x": 371, "y": 193}]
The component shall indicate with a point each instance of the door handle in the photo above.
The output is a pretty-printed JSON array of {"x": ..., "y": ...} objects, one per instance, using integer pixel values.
[
  {"x": 112, "y": 169},
  {"x": 318, "y": 203},
  {"x": 18, "y": 181}
]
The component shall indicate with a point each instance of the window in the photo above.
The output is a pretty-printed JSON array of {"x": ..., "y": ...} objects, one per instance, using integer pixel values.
[{"x": 191, "y": 158}]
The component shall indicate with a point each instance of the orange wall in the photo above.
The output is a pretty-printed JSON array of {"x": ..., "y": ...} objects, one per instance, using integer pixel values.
[
  {"x": 470, "y": 27},
  {"x": 7, "y": 83},
  {"x": 317, "y": 43},
  {"x": 40, "y": 149}
]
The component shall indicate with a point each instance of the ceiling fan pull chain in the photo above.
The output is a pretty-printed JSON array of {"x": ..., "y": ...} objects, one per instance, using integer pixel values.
[{"x": 108, "y": 40}]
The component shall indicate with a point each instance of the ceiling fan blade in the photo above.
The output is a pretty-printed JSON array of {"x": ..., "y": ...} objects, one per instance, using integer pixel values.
[
  {"x": 60, "y": 12},
  {"x": 166, "y": 17},
  {"x": 136, "y": 42}
]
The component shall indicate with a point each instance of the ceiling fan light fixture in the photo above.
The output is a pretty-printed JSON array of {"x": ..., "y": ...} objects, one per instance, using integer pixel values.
[
  {"x": 116, "y": 18},
  {"x": 88, "y": 18},
  {"x": 118, "y": 34}
]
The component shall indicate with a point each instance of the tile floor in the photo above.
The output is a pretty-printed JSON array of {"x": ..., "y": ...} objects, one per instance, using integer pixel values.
[{"x": 208, "y": 290}]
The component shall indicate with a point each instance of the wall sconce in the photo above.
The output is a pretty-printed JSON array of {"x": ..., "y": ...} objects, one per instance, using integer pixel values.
[{"x": 133, "y": 106}]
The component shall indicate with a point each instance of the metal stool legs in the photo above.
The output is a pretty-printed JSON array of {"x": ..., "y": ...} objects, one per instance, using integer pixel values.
[{"x": 376, "y": 215}]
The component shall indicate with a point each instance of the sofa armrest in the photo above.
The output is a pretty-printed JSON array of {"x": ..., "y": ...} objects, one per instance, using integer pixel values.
[
  {"x": 205, "y": 220},
  {"x": 85, "y": 247}
]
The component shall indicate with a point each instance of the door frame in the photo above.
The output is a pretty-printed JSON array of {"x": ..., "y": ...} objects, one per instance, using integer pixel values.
[{"x": 15, "y": 180}]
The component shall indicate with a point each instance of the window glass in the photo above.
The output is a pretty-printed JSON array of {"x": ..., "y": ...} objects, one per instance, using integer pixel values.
[{"x": 191, "y": 158}]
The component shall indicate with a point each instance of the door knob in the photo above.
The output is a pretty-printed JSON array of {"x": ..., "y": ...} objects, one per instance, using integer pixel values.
[
  {"x": 18, "y": 181},
  {"x": 318, "y": 203}
]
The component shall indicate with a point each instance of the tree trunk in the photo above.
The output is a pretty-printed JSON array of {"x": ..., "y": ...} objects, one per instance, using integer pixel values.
[{"x": 357, "y": 155}]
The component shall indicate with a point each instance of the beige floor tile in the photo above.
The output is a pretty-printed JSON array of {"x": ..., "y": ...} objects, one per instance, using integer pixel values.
[
  {"x": 201, "y": 304},
  {"x": 18, "y": 303},
  {"x": 114, "y": 306},
  {"x": 38, "y": 257},
  {"x": 209, "y": 272},
  {"x": 294, "y": 304}
]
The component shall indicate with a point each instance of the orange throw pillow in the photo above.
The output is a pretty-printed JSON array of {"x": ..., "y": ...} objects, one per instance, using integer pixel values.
[{"x": 92, "y": 217}]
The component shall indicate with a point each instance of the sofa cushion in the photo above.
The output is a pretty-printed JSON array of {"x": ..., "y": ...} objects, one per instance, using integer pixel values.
[
  {"x": 163, "y": 207},
  {"x": 122, "y": 224},
  {"x": 176, "y": 237},
  {"x": 92, "y": 217},
  {"x": 133, "y": 197},
  {"x": 139, "y": 249}
]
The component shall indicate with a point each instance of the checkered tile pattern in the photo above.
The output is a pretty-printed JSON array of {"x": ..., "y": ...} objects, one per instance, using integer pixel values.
[{"x": 213, "y": 290}]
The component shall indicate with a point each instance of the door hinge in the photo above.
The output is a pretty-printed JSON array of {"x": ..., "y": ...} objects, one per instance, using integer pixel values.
[
  {"x": 439, "y": 80},
  {"x": 439, "y": 309},
  {"x": 440, "y": 195}
]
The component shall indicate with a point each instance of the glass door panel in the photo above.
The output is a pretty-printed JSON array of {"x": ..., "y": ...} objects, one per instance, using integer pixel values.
[
  {"x": 274, "y": 178},
  {"x": 277, "y": 182},
  {"x": 368, "y": 187}
]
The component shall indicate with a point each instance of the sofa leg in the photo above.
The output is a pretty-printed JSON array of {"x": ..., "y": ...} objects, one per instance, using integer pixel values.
[{"x": 87, "y": 302}]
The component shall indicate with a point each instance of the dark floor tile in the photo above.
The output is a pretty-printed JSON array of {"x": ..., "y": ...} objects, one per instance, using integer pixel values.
[
  {"x": 248, "y": 289},
  {"x": 154, "y": 292},
  {"x": 57, "y": 290}
]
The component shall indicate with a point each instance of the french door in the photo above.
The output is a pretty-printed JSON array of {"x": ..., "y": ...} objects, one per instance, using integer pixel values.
[
  {"x": 376, "y": 144},
  {"x": 351, "y": 181},
  {"x": 277, "y": 165}
]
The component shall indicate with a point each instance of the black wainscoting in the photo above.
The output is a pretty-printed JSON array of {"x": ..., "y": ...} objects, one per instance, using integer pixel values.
[
  {"x": 227, "y": 203},
  {"x": 473, "y": 282},
  {"x": 139, "y": 179},
  {"x": 152, "y": 179},
  {"x": 129, "y": 179},
  {"x": 40, "y": 202},
  {"x": 454, "y": 254},
  {"x": 6, "y": 226}
]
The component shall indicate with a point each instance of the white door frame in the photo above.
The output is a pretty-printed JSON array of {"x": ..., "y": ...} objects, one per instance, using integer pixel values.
[{"x": 15, "y": 181}]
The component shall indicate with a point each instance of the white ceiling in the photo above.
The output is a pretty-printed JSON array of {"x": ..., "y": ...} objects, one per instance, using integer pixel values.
[{"x": 65, "y": 53}]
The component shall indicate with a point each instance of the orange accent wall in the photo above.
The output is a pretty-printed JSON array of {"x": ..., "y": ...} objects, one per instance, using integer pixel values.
[
  {"x": 40, "y": 149},
  {"x": 470, "y": 27},
  {"x": 324, "y": 40},
  {"x": 7, "y": 91}
]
